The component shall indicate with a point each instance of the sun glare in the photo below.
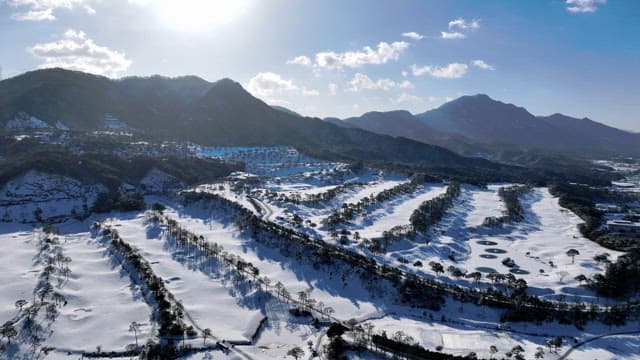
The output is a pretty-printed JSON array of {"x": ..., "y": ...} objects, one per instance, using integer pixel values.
[{"x": 199, "y": 15}]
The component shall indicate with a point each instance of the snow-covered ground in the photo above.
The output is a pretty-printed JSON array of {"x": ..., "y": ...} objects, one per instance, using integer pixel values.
[
  {"x": 100, "y": 299},
  {"x": 54, "y": 195},
  {"x": 210, "y": 299},
  {"x": 18, "y": 275},
  {"x": 396, "y": 212},
  {"x": 102, "y": 302},
  {"x": 344, "y": 296},
  {"x": 459, "y": 339},
  {"x": 542, "y": 239},
  {"x": 538, "y": 245}
]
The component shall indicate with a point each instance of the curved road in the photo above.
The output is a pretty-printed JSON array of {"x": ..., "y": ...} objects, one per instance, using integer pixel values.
[
  {"x": 566, "y": 354},
  {"x": 264, "y": 209}
]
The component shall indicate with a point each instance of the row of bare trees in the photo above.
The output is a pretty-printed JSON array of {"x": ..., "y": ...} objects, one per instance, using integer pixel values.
[
  {"x": 34, "y": 318},
  {"x": 167, "y": 310},
  {"x": 348, "y": 211},
  {"x": 197, "y": 246},
  {"x": 412, "y": 288}
]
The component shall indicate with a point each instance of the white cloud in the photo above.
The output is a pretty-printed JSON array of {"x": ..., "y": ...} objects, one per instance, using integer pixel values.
[
  {"x": 482, "y": 65},
  {"x": 363, "y": 82},
  {"x": 267, "y": 84},
  {"x": 310, "y": 92},
  {"x": 74, "y": 50},
  {"x": 413, "y": 35},
  {"x": 451, "y": 71},
  {"x": 300, "y": 60},
  {"x": 406, "y": 84},
  {"x": 34, "y": 15},
  {"x": 584, "y": 6},
  {"x": 463, "y": 24},
  {"x": 452, "y": 35},
  {"x": 39, "y": 10},
  {"x": 406, "y": 98},
  {"x": 383, "y": 53},
  {"x": 333, "y": 88},
  {"x": 279, "y": 102}
]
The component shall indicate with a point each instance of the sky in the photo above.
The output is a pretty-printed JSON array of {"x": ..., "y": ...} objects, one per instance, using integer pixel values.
[{"x": 341, "y": 58}]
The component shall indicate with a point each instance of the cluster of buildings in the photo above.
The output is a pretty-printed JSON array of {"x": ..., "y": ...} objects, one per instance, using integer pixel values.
[{"x": 623, "y": 221}]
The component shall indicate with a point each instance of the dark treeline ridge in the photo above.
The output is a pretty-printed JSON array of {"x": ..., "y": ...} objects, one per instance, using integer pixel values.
[
  {"x": 622, "y": 278},
  {"x": 514, "y": 211},
  {"x": 348, "y": 211},
  {"x": 538, "y": 174},
  {"x": 111, "y": 171},
  {"x": 432, "y": 211},
  {"x": 413, "y": 289}
]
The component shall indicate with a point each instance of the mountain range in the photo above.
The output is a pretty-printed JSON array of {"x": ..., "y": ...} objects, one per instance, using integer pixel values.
[
  {"x": 189, "y": 108},
  {"x": 481, "y": 124},
  {"x": 222, "y": 113}
]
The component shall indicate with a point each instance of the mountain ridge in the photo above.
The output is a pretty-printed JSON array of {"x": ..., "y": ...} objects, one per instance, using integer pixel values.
[
  {"x": 473, "y": 122},
  {"x": 220, "y": 113}
]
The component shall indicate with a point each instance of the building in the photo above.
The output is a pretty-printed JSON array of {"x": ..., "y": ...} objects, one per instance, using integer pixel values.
[{"x": 624, "y": 227}]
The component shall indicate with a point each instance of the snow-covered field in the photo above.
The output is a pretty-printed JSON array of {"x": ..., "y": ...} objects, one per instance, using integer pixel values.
[
  {"x": 461, "y": 339},
  {"x": 395, "y": 212},
  {"x": 210, "y": 299},
  {"x": 18, "y": 275},
  {"x": 538, "y": 245},
  {"x": 344, "y": 296},
  {"x": 100, "y": 299}
]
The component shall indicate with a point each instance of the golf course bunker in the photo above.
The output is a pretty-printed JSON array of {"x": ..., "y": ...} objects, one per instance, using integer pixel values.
[
  {"x": 488, "y": 256},
  {"x": 487, "y": 243},
  {"x": 486, "y": 270},
  {"x": 496, "y": 251},
  {"x": 519, "y": 271}
]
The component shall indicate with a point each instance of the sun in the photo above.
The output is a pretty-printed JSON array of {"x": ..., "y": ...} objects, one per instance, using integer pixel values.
[{"x": 199, "y": 15}]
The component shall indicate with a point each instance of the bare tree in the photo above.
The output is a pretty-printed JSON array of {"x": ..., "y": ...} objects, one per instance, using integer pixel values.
[
  {"x": 205, "y": 333},
  {"x": 572, "y": 254},
  {"x": 135, "y": 327},
  {"x": 296, "y": 352}
]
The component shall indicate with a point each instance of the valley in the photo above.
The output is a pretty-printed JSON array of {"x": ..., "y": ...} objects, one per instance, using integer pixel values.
[{"x": 246, "y": 264}]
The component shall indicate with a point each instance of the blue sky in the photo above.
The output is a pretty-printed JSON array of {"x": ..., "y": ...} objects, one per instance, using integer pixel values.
[{"x": 343, "y": 58}]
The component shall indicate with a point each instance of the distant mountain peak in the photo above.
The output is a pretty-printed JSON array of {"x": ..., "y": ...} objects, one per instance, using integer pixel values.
[{"x": 403, "y": 113}]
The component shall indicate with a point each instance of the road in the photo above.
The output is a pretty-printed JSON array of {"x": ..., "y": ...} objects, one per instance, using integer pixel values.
[
  {"x": 584, "y": 342},
  {"x": 263, "y": 209}
]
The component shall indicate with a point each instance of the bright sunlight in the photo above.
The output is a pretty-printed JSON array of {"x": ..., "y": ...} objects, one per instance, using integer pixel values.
[{"x": 199, "y": 15}]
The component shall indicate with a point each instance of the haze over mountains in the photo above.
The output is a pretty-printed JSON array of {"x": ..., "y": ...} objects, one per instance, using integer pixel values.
[{"x": 479, "y": 121}]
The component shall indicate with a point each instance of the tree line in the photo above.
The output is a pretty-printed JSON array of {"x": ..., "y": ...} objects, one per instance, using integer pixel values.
[
  {"x": 429, "y": 213},
  {"x": 514, "y": 212},
  {"x": 412, "y": 289},
  {"x": 348, "y": 211}
]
